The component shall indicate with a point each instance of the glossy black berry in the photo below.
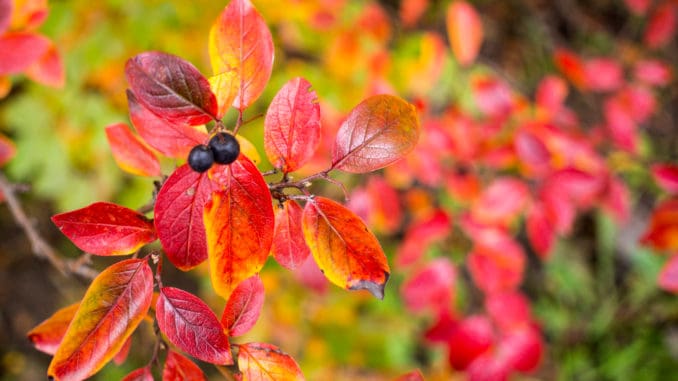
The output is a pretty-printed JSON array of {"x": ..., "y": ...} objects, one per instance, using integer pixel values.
[
  {"x": 200, "y": 158},
  {"x": 225, "y": 148}
]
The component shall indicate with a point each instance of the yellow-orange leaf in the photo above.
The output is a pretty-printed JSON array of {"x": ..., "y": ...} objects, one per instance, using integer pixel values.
[
  {"x": 113, "y": 306},
  {"x": 47, "y": 335},
  {"x": 465, "y": 31},
  {"x": 266, "y": 362},
  {"x": 130, "y": 153},
  {"x": 343, "y": 247}
]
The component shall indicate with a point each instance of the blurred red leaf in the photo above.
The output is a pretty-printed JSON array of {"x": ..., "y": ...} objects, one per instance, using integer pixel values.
[
  {"x": 292, "y": 125},
  {"x": 244, "y": 306},
  {"x": 112, "y": 308},
  {"x": 497, "y": 263},
  {"x": 106, "y": 229},
  {"x": 571, "y": 66},
  {"x": 121, "y": 356},
  {"x": 141, "y": 374},
  {"x": 19, "y": 50},
  {"x": 509, "y": 310},
  {"x": 639, "y": 7},
  {"x": 346, "y": 251},
  {"x": 422, "y": 234},
  {"x": 662, "y": 232},
  {"x": 492, "y": 96},
  {"x": 489, "y": 367},
  {"x": 28, "y": 14},
  {"x": 289, "y": 247},
  {"x": 48, "y": 69},
  {"x": 617, "y": 200},
  {"x": 668, "y": 277},
  {"x": 264, "y": 362},
  {"x": 540, "y": 231},
  {"x": 653, "y": 72},
  {"x": 170, "y": 138},
  {"x": 171, "y": 88},
  {"x": 378, "y": 203},
  {"x": 189, "y": 324},
  {"x": 5, "y": 14},
  {"x": 179, "y": 216},
  {"x": 442, "y": 329},
  {"x": 532, "y": 152},
  {"x": 471, "y": 338},
  {"x": 7, "y": 150},
  {"x": 603, "y": 74},
  {"x": 240, "y": 42},
  {"x": 239, "y": 222},
  {"x": 376, "y": 133},
  {"x": 414, "y": 375},
  {"x": 501, "y": 202},
  {"x": 620, "y": 125},
  {"x": 661, "y": 27},
  {"x": 310, "y": 275},
  {"x": 432, "y": 286},
  {"x": 666, "y": 176},
  {"x": 551, "y": 93},
  {"x": 638, "y": 101},
  {"x": 130, "y": 153},
  {"x": 411, "y": 11},
  {"x": 179, "y": 368},
  {"x": 465, "y": 31},
  {"x": 47, "y": 335},
  {"x": 522, "y": 349}
]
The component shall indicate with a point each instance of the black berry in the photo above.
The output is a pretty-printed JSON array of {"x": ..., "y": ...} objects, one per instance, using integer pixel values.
[
  {"x": 225, "y": 148},
  {"x": 200, "y": 158}
]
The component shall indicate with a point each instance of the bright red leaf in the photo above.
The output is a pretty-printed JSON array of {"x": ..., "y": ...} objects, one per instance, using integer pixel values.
[
  {"x": 239, "y": 222},
  {"x": 551, "y": 92},
  {"x": 509, "y": 310},
  {"x": 571, "y": 66},
  {"x": 522, "y": 349},
  {"x": 343, "y": 247},
  {"x": 7, "y": 150},
  {"x": 171, "y": 87},
  {"x": 179, "y": 368},
  {"x": 266, "y": 362},
  {"x": 465, "y": 31},
  {"x": 47, "y": 335},
  {"x": 376, "y": 133},
  {"x": 603, "y": 74},
  {"x": 179, "y": 216},
  {"x": 501, "y": 202},
  {"x": 470, "y": 339},
  {"x": 19, "y": 50},
  {"x": 289, "y": 247},
  {"x": 130, "y": 153},
  {"x": 141, "y": 374},
  {"x": 244, "y": 306},
  {"x": 112, "y": 308},
  {"x": 292, "y": 125},
  {"x": 662, "y": 232},
  {"x": 489, "y": 367},
  {"x": 106, "y": 229},
  {"x": 430, "y": 287},
  {"x": 497, "y": 263},
  {"x": 189, "y": 324},
  {"x": 492, "y": 96},
  {"x": 241, "y": 43},
  {"x": 661, "y": 27},
  {"x": 378, "y": 203},
  {"x": 666, "y": 176},
  {"x": 539, "y": 230}
]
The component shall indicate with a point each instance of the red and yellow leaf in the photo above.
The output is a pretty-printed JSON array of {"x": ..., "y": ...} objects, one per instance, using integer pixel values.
[
  {"x": 48, "y": 69},
  {"x": 465, "y": 31},
  {"x": 179, "y": 368},
  {"x": 141, "y": 374},
  {"x": 130, "y": 153},
  {"x": 376, "y": 133},
  {"x": 346, "y": 251},
  {"x": 240, "y": 42},
  {"x": 106, "y": 229},
  {"x": 7, "y": 150},
  {"x": 122, "y": 354},
  {"x": 239, "y": 222},
  {"x": 19, "y": 50},
  {"x": 244, "y": 306},
  {"x": 47, "y": 335},
  {"x": 662, "y": 232},
  {"x": 292, "y": 125},
  {"x": 189, "y": 324},
  {"x": 266, "y": 362},
  {"x": 28, "y": 14},
  {"x": 178, "y": 216},
  {"x": 171, "y": 87},
  {"x": 289, "y": 247},
  {"x": 112, "y": 308}
]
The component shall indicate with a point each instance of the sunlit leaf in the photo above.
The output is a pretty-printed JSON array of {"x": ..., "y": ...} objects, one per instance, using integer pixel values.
[
  {"x": 244, "y": 306},
  {"x": 19, "y": 50},
  {"x": 169, "y": 138},
  {"x": 289, "y": 247},
  {"x": 189, "y": 324},
  {"x": 179, "y": 368},
  {"x": 141, "y": 374},
  {"x": 239, "y": 222},
  {"x": 346, "y": 251},
  {"x": 465, "y": 31},
  {"x": 130, "y": 153},
  {"x": 248, "y": 149},
  {"x": 171, "y": 88},
  {"x": 7, "y": 150},
  {"x": 376, "y": 133},
  {"x": 178, "y": 216},
  {"x": 240, "y": 42},
  {"x": 47, "y": 335},
  {"x": 266, "y": 362},
  {"x": 225, "y": 87},
  {"x": 106, "y": 229},
  {"x": 112, "y": 308},
  {"x": 292, "y": 125}
]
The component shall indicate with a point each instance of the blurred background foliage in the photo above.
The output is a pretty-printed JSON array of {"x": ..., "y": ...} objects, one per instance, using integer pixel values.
[{"x": 602, "y": 315}]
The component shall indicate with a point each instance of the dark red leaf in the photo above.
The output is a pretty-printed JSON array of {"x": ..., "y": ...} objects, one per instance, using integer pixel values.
[
  {"x": 540, "y": 232},
  {"x": 244, "y": 306},
  {"x": 179, "y": 368},
  {"x": 141, "y": 374},
  {"x": 289, "y": 247}
]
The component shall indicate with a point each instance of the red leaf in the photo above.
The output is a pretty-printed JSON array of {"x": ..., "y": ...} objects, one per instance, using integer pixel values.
[
  {"x": 421, "y": 235},
  {"x": 617, "y": 200},
  {"x": 7, "y": 150},
  {"x": 343, "y": 247},
  {"x": 189, "y": 324},
  {"x": 376, "y": 133},
  {"x": 497, "y": 263},
  {"x": 465, "y": 31},
  {"x": 414, "y": 375},
  {"x": 179, "y": 368},
  {"x": 662, "y": 234},
  {"x": 178, "y": 216},
  {"x": 666, "y": 176},
  {"x": 509, "y": 310},
  {"x": 540, "y": 232},
  {"x": 309, "y": 275},
  {"x": 551, "y": 93},
  {"x": 289, "y": 247},
  {"x": 122, "y": 354},
  {"x": 638, "y": 102},
  {"x": 240, "y": 42},
  {"x": 532, "y": 151},
  {"x": 411, "y": 11},
  {"x": 292, "y": 126},
  {"x": 489, "y": 367},
  {"x": 603, "y": 74},
  {"x": 5, "y": 14},
  {"x": 430, "y": 287},
  {"x": 471, "y": 338},
  {"x": 661, "y": 27},
  {"x": 668, "y": 277},
  {"x": 48, "y": 69},
  {"x": 20, "y": 50},
  {"x": 141, "y": 374},
  {"x": 639, "y": 7},
  {"x": 522, "y": 349},
  {"x": 378, "y": 204},
  {"x": 492, "y": 96},
  {"x": 239, "y": 222},
  {"x": 106, "y": 229},
  {"x": 501, "y": 202},
  {"x": 244, "y": 306},
  {"x": 47, "y": 335},
  {"x": 130, "y": 153},
  {"x": 112, "y": 308},
  {"x": 261, "y": 362},
  {"x": 170, "y": 138},
  {"x": 621, "y": 126},
  {"x": 571, "y": 66},
  {"x": 171, "y": 88},
  {"x": 653, "y": 72}
]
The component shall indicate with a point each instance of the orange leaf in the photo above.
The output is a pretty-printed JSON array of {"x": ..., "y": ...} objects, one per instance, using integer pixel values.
[
  {"x": 465, "y": 31},
  {"x": 47, "y": 335},
  {"x": 130, "y": 153},
  {"x": 113, "y": 306},
  {"x": 28, "y": 14},
  {"x": 377, "y": 132},
  {"x": 239, "y": 223},
  {"x": 346, "y": 251},
  {"x": 289, "y": 247},
  {"x": 179, "y": 368},
  {"x": 7, "y": 150},
  {"x": 261, "y": 362},
  {"x": 240, "y": 42}
]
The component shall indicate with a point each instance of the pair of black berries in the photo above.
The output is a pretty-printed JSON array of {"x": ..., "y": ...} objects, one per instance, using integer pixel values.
[{"x": 223, "y": 148}]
